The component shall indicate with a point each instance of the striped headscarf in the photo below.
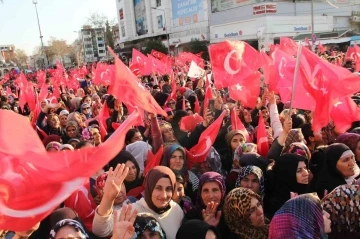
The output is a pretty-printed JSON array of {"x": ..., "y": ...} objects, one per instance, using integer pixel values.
[
  {"x": 300, "y": 217},
  {"x": 245, "y": 171}
]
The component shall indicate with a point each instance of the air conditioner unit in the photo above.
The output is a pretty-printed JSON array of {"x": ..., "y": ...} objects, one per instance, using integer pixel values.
[{"x": 355, "y": 18}]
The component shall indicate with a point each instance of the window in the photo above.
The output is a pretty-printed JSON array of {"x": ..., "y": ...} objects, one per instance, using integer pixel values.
[
  {"x": 87, "y": 39},
  {"x": 101, "y": 51},
  {"x": 100, "y": 39},
  {"x": 158, "y": 3},
  {"x": 160, "y": 22},
  {"x": 88, "y": 46},
  {"x": 101, "y": 45},
  {"x": 121, "y": 13},
  {"x": 88, "y": 52}
]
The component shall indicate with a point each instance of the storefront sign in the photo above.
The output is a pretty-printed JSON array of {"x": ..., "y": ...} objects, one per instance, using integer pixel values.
[
  {"x": 302, "y": 28},
  {"x": 264, "y": 9},
  {"x": 187, "y": 11}
]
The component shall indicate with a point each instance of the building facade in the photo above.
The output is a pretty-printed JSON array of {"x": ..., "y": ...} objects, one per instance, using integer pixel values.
[
  {"x": 93, "y": 44},
  {"x": 7, "y": 52},
  {"x": 263, "y": 22},
  {"x": 174, "y": 22}
]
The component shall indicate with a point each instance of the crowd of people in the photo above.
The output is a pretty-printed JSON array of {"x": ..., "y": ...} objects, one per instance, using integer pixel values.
[{"x": 304, "y": 186}]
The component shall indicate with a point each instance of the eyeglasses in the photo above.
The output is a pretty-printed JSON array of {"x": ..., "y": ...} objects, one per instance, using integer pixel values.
[
  {"x": 171, "y": 103},
  {"x": 86, "y": 108}
]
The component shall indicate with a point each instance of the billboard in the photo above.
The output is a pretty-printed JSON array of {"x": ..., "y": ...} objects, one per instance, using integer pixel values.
[
  {"x": 186, "y": 12},
  {"x": 140, "y": 17},
  {"x": 222, "y": 5}
]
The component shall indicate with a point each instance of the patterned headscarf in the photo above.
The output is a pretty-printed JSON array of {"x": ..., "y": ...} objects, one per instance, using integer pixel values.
[
  {"x": 244, "y": 148},
  {"x": 245, "y": 171},
  {"x": 298, "y": 148},
  {"x": 145, "y": 221},
  {"x": 300, "y": 217},
  {"x": 237, "y": 217},
  {"x": 343, "y": 205},
  {"x": 68, "y": 222},
  {"x": 294, "y": 135},
  {"x": 349, "y": 139},
  {"x": 210, "y": 177}
]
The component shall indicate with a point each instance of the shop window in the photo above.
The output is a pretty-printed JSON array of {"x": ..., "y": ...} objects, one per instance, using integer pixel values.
[{"x": 158, "y": 3}]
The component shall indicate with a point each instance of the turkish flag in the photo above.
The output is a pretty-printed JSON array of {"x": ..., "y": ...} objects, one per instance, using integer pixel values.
[
  {"x": 158, "y": 55},
  {"x": 268, "y": 70},
  {"x": 199, "y": 152},
  {"x": 288, "y": 45},
  {"x": 321, "y": 48},
  {"x": 197, "y": 105},
  {"x": 103, "y": 74},
  {"x": 236, "y": 124},
  {"x": 262, "y": 139},
  {"x": 327, "y": 84},
  {"x": 247, "y": 90},
  {"x": 208, "y": 96},
  {"x": 5, "y": 79},
  {"x": 344, "y": 113},
  {"x": 188, "y": 123},
  {"x": 141, "y": 62},
  {"x": 233, "y": 61},
  {"x": 172, "y": 95},
  {"x": 357, "y": 57},
  {"x": 27, "y": 93},
  {"x": 153, "y": 159},
  {"x": 284, "y": 70},
  {"x": 33, "y": 182},
  {"x": 350, "y": 53},
  {"x": 158, "y": 66},
  {"x": 128, "y": 89}
]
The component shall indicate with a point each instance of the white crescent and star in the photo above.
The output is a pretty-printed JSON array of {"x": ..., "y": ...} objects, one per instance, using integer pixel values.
[
  {"x": 282, "y": 65},
  {"x": 227, "y": 66}
]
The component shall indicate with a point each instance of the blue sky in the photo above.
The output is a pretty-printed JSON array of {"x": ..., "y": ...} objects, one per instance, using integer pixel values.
[{"x": 58, "y": 18}]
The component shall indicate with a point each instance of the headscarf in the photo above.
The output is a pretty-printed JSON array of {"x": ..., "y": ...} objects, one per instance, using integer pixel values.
[
  {"x": 68, "y": 222},
  {"x": 61, "y": 214},
  {"x": 151, "y": 179},
  {"x": 168, "y": 151},
  {"x": 349, "y": 139},
  {"x": 343, "y": 205},
  {"x": 139, "y": 150},
  {"x": 254, "y": 159},
  {"x": 53, "y": 145},
  {"x": 300, "y": 217},
  {"x": 231, "y": 135},
  {"x": 210, "y": 177},
  {"x": 145, "y": 221},
  {"x": 195, "y": 229},
  {"x": 214, "y": 160},
  {"x": 236, "y": 214},
  {"x": 244, "y": 148},
  {"x": 294, "y": 135},
  {"x": 245, "y": 171},
  {"x": 51, "y": 138},
  {"x": 122, "y": 158},
  {"x": 73, "y": 123},
  {"x": 298, "y": 148}
]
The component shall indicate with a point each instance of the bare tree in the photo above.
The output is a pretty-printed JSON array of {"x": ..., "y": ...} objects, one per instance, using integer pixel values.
[
  {"x": 20, "y": 58},
  {"x": 59, "y": 48},
  {"x": 97, "y": 20}
]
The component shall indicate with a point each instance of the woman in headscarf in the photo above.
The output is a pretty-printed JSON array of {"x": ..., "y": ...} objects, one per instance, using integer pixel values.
[
  {"x": 301, "y": 217},
  {"x": 146, "y": 226},
  {"x": 353, "y": 142},
  {"x": 233, "y": 139},
  {"x": 343, "y": 205},
  {"x": 209, "y": 202},
  {"x": 197, "y": 229},
  {"x": 139, "y": 150},
  {"x": 244, "y": 215},
  {"x": 211, "y": 164},
  {"x": 251, "y": 177},
  {"x": 68, "y": 228},
  {"x": 298, "y": 148},
  {"x": 134, "y": 179},
  {"x": 72, "y": 131},
  {"x": 52, "y": 126},
  {"x": 290, "y": 175},
  {"x": 174, "y": 157},
  {"x": 75, "y": 116},
  {"x": 179, "y": 195},
  {"x": 159, "y": 187},
  {"x": 338, "y": 168}
]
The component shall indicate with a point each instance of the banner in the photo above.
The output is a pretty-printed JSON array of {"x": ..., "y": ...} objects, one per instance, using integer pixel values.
[
  {"x": 222, "y": 5},
  {"x": 186, "y": 12},
  {"x": 140, "y": 17}
]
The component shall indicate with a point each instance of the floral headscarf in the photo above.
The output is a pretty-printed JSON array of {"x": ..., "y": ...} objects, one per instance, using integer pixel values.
[
  {"x": 349, "y": 139},
  {"x": 343, "y": 205},
  {"x": 145, "y": 221},
  {"x": 244, "y": 148},
  {"x": 245, "y": 171},
  {"x": 298, "y": 148},
  {"x": 68, "y": 222},
  {"x": 210, "y": 177}
]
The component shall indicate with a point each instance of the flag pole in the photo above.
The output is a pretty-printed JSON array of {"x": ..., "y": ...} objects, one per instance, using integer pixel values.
[{"x": 296, "y": 74}]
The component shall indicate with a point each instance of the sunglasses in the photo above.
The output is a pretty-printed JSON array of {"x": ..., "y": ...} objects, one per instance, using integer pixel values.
[{"x": 86, "y": 108}]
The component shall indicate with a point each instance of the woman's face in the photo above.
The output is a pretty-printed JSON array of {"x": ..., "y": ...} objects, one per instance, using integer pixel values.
[
  {"x": 227, "y": 110},
  {"x": 177, "y": 160},
  {"x": 168, "y": 134},
  {"x": 203, "y": 167},
  {"x": 95, "y": 136},
  {"x": 132, "y": 171},
  {"x": 43, "y": 104},
  {"x": 63, "y": 120},
  {"x": 179, "y": 192},
  {"x": 251, "y": 182},
  {"x": 346, "y": 166},
  {"x": 86, "y": 110},
  {"x": 87, "y": 100},
  {"x": 121, "y": 197},
  {"x": 97, "y": 99},
  {"x": 147, "y": 234},
  {"x": 68, "y": 232},
  {"x": 172, "y": 105},
  {"x": 137, "y": 137},
  {"x": 357, "y": 152},
  {"x": 302, "y": 174},
  {"x": 236, "y": 141},
  {"x": 256, "y": 213},
  {"x": 162, "y": 193},
  {"x": 210, "y": 192},
  {"x": 327, "y": 222},
  {"x": 55, "y": 122},
  {"x": 71, "y": 131},
  {"x": 247, "y": 116},
  {"x": 82, "y": 118},
  {"x": 96, "y": 111}
]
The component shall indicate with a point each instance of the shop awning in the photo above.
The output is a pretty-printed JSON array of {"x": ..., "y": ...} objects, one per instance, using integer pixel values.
[{"x": 331, "y": 37}]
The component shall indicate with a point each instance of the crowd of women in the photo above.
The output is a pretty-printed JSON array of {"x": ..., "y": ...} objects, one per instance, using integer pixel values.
[{"x": 305, "y": 187}]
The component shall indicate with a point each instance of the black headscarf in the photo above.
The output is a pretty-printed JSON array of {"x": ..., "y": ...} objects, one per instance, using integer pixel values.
[
  {"x": 195, "y": 229},
  {"x": 329, "y": 177},
  {"x": 122, "y": 158},
  {"x": 284, "y": 176}
]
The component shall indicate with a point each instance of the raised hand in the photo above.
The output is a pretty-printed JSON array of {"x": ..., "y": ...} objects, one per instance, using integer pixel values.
[
  {"x": 210, "y": 214},
  {"x": 124, "y": 223},
  {"x": 114, "y": 181}
]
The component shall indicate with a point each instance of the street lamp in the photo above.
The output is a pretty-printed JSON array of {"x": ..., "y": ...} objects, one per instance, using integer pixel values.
[
  {"x": 167, "y": 34},
  {"x": 41, "y": 37}
]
